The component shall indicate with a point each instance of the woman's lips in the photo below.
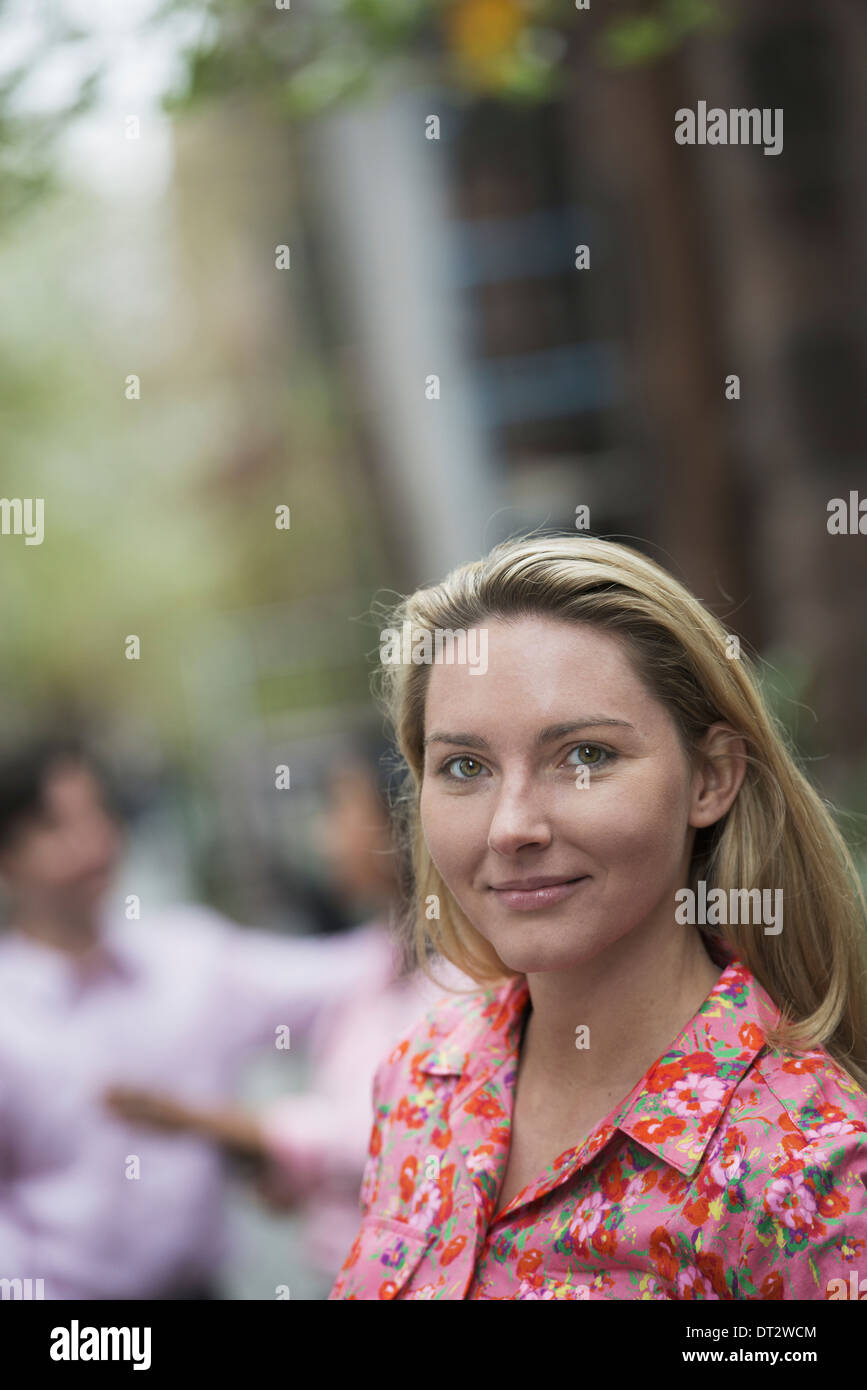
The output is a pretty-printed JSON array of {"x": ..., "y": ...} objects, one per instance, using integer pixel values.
[{"x": 527, "y": 898}]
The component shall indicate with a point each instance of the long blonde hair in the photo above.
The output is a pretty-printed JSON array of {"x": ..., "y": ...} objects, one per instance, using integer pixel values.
[{"x": 777, "y": 834}]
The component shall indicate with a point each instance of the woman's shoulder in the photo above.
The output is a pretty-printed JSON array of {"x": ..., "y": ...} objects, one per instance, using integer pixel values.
[
  {"x": 444, "y": 1012},
  {"x": 803, "y": 1094},
  {"x": 451, "y": 1023},
  {"x": 796, "y": 1152},
  {"x": 815, "y": 1117}
]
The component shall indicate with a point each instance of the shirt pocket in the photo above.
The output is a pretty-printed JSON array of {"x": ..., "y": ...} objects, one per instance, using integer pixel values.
[
  {"x": 556, "y": 1284},
  {"x": 389, "y": 1253},
  {"x": 557, "y": 1276}
]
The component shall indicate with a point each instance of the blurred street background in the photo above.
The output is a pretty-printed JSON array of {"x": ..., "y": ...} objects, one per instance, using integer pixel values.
[{"x": 430, "y": 169}]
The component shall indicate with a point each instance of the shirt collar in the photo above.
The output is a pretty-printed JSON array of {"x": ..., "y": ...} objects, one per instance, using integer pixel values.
[
  {"x": 675, "y": 1108},
  {"x": 52, "y": 972}
]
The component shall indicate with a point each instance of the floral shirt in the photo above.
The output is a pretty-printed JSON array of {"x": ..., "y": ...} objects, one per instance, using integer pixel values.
[{"x": 730, "y": 1171}]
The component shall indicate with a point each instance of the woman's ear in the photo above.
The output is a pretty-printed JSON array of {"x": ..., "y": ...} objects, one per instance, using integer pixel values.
[{"x": 720, "y": 770}]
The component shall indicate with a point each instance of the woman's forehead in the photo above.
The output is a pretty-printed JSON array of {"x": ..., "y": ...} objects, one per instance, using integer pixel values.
[
  {"x": 536, "y": 652},
  {"x": 538, "y": 675}
]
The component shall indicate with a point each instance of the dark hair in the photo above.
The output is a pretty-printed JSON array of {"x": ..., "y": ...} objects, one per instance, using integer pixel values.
[
  {"x": 24, "y": 772},
  {"x": 370, "y": 748}
]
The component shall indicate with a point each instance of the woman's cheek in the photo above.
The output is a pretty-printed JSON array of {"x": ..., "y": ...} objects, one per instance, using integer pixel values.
[
  {"x": 435, "y": 825},
  {"x": 456, "y": 837},
  {"x": 639, "y": 826}
]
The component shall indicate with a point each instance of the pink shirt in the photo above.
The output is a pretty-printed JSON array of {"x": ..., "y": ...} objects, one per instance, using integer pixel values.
[
  {"x": 176, "y": 1004},
  {"x": 730, "y": 1171},
  {"x": 318, "y": 1138}
]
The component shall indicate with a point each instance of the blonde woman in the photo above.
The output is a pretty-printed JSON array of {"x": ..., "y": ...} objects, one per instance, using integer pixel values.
[{"x": 657, "y": 1091}]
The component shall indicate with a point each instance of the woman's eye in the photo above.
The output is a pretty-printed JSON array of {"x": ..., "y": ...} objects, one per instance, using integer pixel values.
[
  {"x": 591, "y": 755},
  {"x": 463, "y": 763}
]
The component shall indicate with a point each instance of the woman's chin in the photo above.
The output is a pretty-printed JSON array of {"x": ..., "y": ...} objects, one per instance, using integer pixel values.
[{"x": 536, "y": 957}]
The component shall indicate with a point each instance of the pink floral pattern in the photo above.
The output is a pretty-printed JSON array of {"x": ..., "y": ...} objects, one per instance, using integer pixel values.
[{"x": 730, "y": 1171}]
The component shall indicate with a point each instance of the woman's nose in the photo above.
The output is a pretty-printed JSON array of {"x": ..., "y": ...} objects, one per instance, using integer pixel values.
[{"x": 520, "y": 818}]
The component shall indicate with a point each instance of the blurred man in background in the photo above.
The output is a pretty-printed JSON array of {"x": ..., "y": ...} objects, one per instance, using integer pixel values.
[
  {"x": 90, "y": 1205},
  {"x": 310, "y": 1147}
]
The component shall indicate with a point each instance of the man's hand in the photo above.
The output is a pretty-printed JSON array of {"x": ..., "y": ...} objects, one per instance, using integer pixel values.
[{"x": 149, "y": 1108}]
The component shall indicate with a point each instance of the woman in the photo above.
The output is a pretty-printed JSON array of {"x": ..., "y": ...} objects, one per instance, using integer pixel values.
[{"x": 631, "y": 1106}]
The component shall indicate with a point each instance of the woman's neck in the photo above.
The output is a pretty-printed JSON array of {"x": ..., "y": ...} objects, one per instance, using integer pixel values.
[{"x": 632, "y": 1002}]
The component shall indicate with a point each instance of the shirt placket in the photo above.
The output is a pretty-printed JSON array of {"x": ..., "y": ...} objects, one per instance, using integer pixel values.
[
  {"x": 480, "y": 1124},
  {"x": 564, "y": 1167},
  {"x": 491, "y": 1140}
]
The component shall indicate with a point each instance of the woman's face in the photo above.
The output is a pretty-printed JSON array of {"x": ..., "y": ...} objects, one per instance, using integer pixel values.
[
  {"x": 502, "y": 806},
  {"x": 353, "y": 836}
]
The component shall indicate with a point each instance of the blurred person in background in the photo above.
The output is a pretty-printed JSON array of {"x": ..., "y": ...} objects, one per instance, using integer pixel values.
[
  {"x": 310, "y": 1147},
  {"x": 90, "y": 1205}
]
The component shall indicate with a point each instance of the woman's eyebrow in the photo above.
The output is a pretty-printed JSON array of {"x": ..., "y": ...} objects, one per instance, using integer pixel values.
[
  {"x": 474, "y": 739},
  {"x": 545, "y": 735},
  {"x": 597, "y": 722}
]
